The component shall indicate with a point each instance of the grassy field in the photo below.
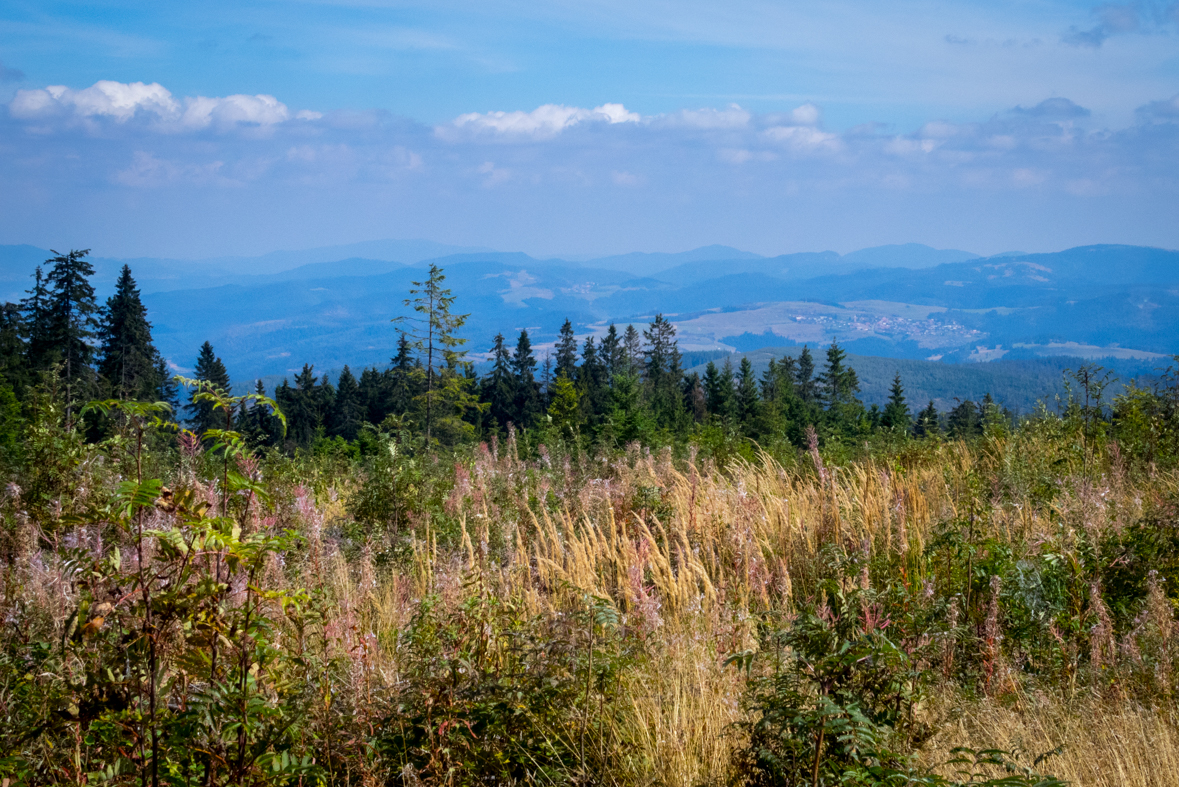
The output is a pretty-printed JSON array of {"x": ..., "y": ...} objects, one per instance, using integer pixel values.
[{"x": 518, "y": 613}]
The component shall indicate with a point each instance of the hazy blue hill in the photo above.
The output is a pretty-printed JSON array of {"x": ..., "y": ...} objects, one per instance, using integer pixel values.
[
  {"x": 404, "y": 251},
  {"x": 642, "y": 263},
  {"x": 271, "y": 313},
  {"x": 268, "y": 326},
  {"x": 787, "y": 266},
  {"x": 905, "y": 255}
]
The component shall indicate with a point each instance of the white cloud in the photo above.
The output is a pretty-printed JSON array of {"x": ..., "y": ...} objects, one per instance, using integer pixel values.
[
  {"x": 147, "y": 170},
  {"x": 544, "y": 121},
  {"x": 806, "y": 115},
  {"x": 494, "y": 174},
  {"x": 804, "y": 139},
  {"x": 121, "y": 102},
  {"x": 732, "y": 116}
]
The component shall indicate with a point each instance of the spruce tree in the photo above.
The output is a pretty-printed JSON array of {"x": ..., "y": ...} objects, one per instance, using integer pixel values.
[
  {"x": 373, "y": 391},
  {"x": 348, "y": 410},
  {"x": 566, "y": 353},
  {"x": 896, "y": 412},
  {"x": 499, "y": 385},
  {"x": 965, "y": 421},
  {"x": 434, "y": 337},
  {"x": 565, "y": 409},
  {"x": 927, "y": 422},
  {"x": 36, "y": 326},
  {"x": 631, "y": 357},
  {"x": 718, "y": 389},
  {"x": 611, "y": 352},
  {"x": 404, "y": 381},
  {"x": 593, "y": 384},
  {"x": 127, "y": 362},
  {"x": 259, "y": 425},
  {"x": 663, "y": 370},
  {"x": 805, "y": 376},
  {"x": 748, "y": 400},
  {"x": 527, "y": 400},
  {"x": 839, "y": 382},
  {"x": 302, "y": 408},
  {"x": 769, "y": 381},
  {"x": 73, "y": 319},
  {"x": 209, "y": 368}
]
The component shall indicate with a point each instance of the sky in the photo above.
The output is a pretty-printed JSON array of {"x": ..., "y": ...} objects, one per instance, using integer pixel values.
[{"x": 592, "y": 127}]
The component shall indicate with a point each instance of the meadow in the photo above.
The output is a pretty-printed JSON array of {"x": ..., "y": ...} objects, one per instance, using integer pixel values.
[{"x": 745, "y": 599}]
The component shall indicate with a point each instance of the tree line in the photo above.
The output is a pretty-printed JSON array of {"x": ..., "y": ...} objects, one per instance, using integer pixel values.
[{"x": 628, "y": 384}]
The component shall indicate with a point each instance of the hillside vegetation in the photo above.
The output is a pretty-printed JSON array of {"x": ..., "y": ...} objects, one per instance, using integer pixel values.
[{"x": 637, "y": 579}]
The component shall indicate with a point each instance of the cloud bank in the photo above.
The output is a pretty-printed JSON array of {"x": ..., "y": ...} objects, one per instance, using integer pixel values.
[
  {"x": 220, "y": 171},
  {"x": 122, "y": 102}
]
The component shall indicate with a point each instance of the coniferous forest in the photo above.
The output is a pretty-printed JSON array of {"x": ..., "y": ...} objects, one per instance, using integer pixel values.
[{"x": 587, "y": 567}]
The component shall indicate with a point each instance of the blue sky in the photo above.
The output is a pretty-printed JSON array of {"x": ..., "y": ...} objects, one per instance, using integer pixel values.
[{"x": 588, "y": 127}]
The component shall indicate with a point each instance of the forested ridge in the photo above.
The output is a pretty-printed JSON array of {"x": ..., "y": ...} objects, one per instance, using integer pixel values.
[{"x": 591, "y": 568}]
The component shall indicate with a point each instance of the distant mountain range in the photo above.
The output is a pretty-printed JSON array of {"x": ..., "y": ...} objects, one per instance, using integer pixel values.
[{"x": 268, "y": 315}]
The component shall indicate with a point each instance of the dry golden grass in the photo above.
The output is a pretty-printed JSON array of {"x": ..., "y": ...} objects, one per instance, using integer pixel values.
[
  {"x": 693, "y": 567},
  {"x": 1120, "y": 746}
]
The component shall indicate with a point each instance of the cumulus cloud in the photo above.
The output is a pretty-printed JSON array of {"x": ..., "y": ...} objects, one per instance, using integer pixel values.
[
  {"x": 544, "y": 121},
  {"x": 804, "y": 139},
  {"x": 1113, "y": 19},
  {"x": 120, "y": 102},
  {"x": 732, "y": 116},
  {"x": 1160, "y": 111},
  {"x": 1053, "y": 109}
]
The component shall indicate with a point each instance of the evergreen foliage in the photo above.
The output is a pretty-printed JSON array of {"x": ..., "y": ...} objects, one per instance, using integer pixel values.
[
  {"x": 209, "y": 370},
  {"x": 72, "y": 321},
  {"x": 128, "y": 363},
  {"x": 896, "y": 412},
  {"x": 526, "y": 404}
]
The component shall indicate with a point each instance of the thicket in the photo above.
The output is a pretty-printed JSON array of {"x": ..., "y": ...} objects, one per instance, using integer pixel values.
[{"x": 639, "y": 578}]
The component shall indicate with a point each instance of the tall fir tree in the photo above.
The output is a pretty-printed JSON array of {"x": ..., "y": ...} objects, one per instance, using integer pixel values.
[
  {"x": 631, "y": 356},
  {"x": 526, "y": 406},
  {"x": 718, "y": 389},
  {"x": 127, "y": 362},
  {"x": 964, "y": 421},
  {"x": 611, "y": 352},
  {"x": 434, "y": 337},
  {"x": 748, "y": 400},
  {"x": 566, "y": 353},
  {"x": 593, "y": 385},
  {"x": 927, "y": 424},
  {"x": 348, "y": 410},
  {"x": 565, "y": 408},
  {"x": 210, "y": 369},
  {"x": 373, "y": 390},
  {"x": 259, "y": 425},
  {"x": 36, "y": 325},
  {"x": 807, "y": 388},
  {"x": 499, "y": 386},
  {"x": 896, "y": 412},
  {"x": 73, "y": 321},
  {"x": 404, "y": 382},
  {"x": 302, "y": 407},
  {"x": 663, "y": 370}
]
